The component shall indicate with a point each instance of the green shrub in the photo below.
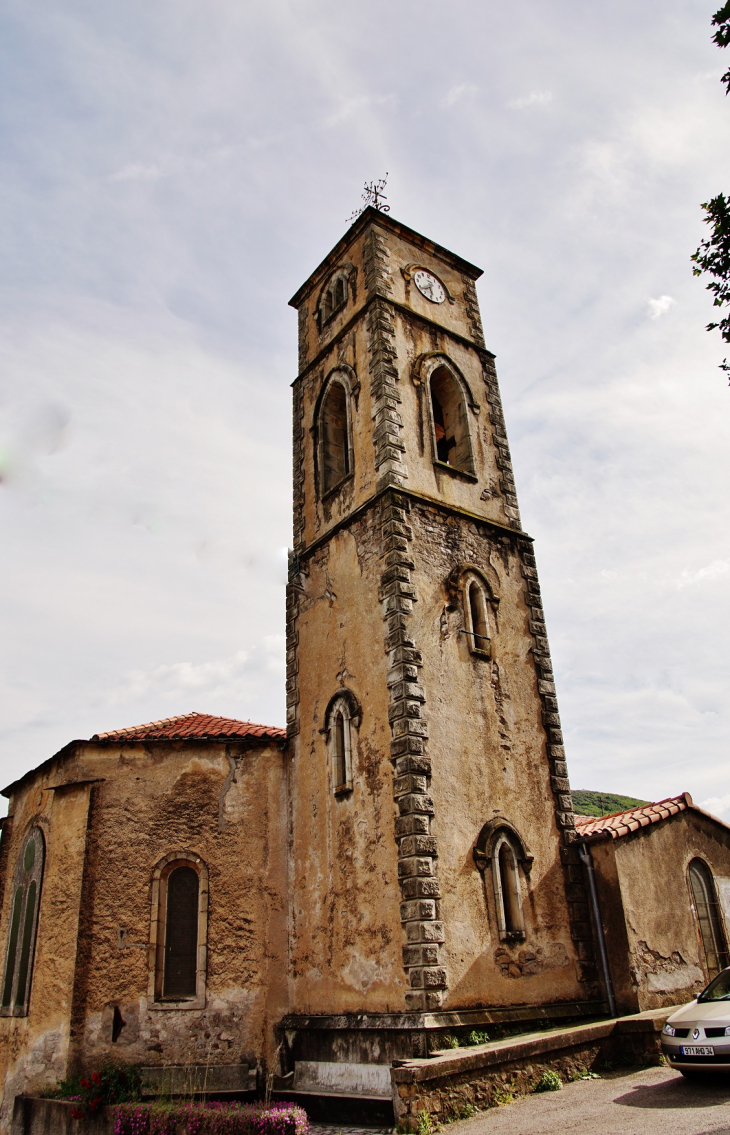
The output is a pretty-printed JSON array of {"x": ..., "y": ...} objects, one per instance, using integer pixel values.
[
  {"x": 112, "y": 1083},
  {"x": 549, "y": 1082},
  {"x": 463, "y": 1111},
  {"x": 426, "y": 1125},
  {"x": 477, "y": 1037},
  {"x": 211, "y": 1119}
]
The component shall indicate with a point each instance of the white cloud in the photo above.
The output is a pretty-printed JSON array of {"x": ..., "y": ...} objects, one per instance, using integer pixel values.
[
  {"x": 220, "y": 680},
  {"x": 715, "y": 570},
  {"x": 660, "y": 306},
  {"x": 535, "y": 98},
  {"x": 353, "y": 106},
  {"x": 717, "y": 804},
  {"x": 458, "y": 92},
  {"x": 138, "y": 172}
]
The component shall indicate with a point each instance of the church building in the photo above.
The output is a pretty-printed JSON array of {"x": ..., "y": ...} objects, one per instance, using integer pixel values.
[{"x": 401, "y": 862}]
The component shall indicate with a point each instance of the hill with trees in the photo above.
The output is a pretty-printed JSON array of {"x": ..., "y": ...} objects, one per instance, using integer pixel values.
[{"x": 603, "y": 803}]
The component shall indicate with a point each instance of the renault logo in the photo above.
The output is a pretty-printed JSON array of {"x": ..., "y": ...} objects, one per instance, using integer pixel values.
[{"x": 695, "y": 1034}]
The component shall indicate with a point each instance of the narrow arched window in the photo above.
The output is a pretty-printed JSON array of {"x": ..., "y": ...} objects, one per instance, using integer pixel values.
[
  {"x": 510, "y": 884},
  {"x": 477, "y": 618},
  {"x": 708, "y": 916},
  {"x": 338, "y": 730},
  {"x": 507, "y": 891},
  {"x": 20, "y": 947},
  {"x": 181, "y": 934},
  {"x": 452, "y": 442},
  {"x": 335, "y": 444},
  {"x": 179, "y": 931},
  {"x": 339, "y": 756},
  {"x": 333, "y": 297}
]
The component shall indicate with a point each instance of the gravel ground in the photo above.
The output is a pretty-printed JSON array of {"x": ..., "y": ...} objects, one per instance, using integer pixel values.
[{"x": 654, "y": 1101}]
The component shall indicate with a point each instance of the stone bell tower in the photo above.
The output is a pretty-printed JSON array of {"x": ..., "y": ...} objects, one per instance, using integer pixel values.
[{"x": 432, "y": 874}]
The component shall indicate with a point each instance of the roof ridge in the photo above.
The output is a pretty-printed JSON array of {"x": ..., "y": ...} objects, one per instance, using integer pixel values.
[
  {"x": 148, "y": 725},
  {"x": 191, "y": 725},
  {"x": 638, "y": 808},
  {"x": 618, "y": 824}
]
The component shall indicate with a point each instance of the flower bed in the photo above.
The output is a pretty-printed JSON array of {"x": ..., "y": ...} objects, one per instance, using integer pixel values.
[{"x": 209, "y": 1119}]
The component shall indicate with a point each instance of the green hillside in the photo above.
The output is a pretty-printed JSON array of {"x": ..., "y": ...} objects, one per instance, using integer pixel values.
[{"x": 603, "y": 803}]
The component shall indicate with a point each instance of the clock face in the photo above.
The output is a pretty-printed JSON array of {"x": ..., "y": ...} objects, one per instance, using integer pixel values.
[{"x": 429, "y": 286}]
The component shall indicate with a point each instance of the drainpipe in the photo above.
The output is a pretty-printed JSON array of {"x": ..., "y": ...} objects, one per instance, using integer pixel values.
[{"x": 585, "y": 858}]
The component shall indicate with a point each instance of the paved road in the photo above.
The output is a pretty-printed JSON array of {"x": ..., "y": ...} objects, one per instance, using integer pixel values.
[{"x": 655, "y": 1101}]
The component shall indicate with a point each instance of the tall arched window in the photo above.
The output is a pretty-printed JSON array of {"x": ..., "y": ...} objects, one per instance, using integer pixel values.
[
  {"x": 477, "y": 616},
  {"x": 23, "y": 925},
  {"x": 507, "y": 891},
  {"x": 451, "y": 439},
  {"x": 509, "y": 881},
  {"x": 708, "y": 916},
  {"x": 500, "y": 847},
  {"x": 181, "y": 934},
  {"x": 179, "y": 931},
  {"x": 340, "y": 747},
  {"x": 334, "y": 295},
  {"x": 335, "y": 437},
  {"x": 343, "y": 714}
]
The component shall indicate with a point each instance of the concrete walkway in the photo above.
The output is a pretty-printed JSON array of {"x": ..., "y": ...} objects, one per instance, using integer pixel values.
[{"x": 654, "y": 1101}]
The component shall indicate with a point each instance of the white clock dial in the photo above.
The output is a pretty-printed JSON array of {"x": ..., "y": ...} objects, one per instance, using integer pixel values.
[{"x": 429, "y": 286}]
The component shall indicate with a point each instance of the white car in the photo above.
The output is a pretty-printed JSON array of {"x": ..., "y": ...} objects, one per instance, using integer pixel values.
[{"x": 697, "y": 1037}]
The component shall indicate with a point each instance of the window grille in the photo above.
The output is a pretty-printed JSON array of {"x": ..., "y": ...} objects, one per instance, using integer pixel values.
[
  {"x": 23, "y": 926},
  {"x": 342, "y": 714},
  {"x": 335, "y": 437},
  {"x": 181, "y": 934},
  {"x": 708, "y": 916}
]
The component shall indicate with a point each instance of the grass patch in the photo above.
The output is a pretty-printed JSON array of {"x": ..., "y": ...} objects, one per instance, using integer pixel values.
[{"x": 549, "y": 1082}]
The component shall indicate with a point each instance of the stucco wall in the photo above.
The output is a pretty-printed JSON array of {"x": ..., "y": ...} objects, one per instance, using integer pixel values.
[
  {"x": 345, "y": 929},
  {"x": 488, "y": 747},
  {"x": 224, "y": 803},
  {"x": 652, "y": 934},
  {"x": 34, "y": 1049}
]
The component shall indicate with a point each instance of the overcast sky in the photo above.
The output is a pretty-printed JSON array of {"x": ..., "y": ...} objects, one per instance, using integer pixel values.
[{"x": 172, "y": 171}]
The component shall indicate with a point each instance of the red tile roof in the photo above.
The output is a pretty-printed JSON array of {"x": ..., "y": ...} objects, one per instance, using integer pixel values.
[
  {"x": 201, "y": 726},
  {"x": 623, "y": 823}
]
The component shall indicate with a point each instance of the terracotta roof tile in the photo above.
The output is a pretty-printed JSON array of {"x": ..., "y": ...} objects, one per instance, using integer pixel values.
[
  {"x": 201, "y": 726},
  {"x": 623, "y": 823}
]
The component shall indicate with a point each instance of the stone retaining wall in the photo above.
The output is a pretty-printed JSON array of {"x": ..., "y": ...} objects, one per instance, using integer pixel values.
[{"x": 449, "y": 1084}]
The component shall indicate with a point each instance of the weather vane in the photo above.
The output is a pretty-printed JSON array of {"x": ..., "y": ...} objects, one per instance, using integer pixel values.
[{"x": 372, "y": 195}]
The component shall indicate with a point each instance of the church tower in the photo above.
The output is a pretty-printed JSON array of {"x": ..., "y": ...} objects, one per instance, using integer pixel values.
[{"x": 431, "y": 819}]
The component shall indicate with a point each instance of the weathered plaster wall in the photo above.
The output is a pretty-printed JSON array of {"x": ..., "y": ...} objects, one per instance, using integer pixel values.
[
  {"x": 662, "y": 961},
  {"x": 34, "y": 1049},
  {"x": 224, "y": 803},
  {"x": 488, "y": 747},
  {"x": 345, "y": 928}
]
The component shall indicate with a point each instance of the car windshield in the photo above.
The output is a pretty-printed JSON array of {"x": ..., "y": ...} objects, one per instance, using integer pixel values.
[{"x": 718, "y": 989}]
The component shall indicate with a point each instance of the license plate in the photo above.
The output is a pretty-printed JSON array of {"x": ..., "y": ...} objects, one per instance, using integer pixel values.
[{"x": 697, "y": 1050}]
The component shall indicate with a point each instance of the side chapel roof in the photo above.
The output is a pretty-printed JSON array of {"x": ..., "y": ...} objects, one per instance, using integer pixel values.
[
  {"x": 620, "y": 824},
  {"x": 186, "y": 726},
  {"x": 201, "y": 726}
]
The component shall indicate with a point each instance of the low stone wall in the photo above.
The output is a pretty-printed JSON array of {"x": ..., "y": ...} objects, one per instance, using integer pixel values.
[
  {"x": 449, "y": 1084},
  {"x": 35, "y": 1116}
]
